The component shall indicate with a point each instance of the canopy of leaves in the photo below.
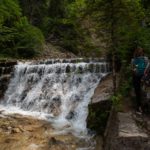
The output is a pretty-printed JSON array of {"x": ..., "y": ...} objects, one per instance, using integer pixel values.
[
  {"x": 17, "y": 37},
  {"x": 120, "y": 23},
  {"x": 74, "y": 24}
]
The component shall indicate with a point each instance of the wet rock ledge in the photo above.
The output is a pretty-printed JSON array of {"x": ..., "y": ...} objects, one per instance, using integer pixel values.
[
  {"x": 6, "y": 70},
  {"x": 19, "y": 132}
]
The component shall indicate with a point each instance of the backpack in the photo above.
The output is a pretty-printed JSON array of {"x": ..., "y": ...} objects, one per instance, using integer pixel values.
[
  {"x": 146, "y": 78},
  {"x": 140, "y": 65}
]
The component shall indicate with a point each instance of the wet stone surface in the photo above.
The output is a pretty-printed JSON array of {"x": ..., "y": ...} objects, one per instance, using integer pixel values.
[
  {"x": 124, "y": 134},
  {"x": 19, "y": 132}
]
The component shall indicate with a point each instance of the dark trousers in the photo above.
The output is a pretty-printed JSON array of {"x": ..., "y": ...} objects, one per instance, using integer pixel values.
[{"x": 138, "y": 89}]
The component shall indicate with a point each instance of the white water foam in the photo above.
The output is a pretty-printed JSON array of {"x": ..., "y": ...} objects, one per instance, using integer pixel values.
[{"x": 59, "y": 93}]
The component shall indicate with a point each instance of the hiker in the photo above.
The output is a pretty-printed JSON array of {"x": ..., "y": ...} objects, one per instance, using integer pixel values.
[{"x": 139, "y": 64}]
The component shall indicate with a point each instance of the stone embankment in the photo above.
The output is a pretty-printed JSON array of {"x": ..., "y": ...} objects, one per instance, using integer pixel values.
[
  {"x": 123, "y": 133},
  {"x": 100, "y": 105},
  {"x": 124, "y": 130},
  {"x": 6, "y": 70}
]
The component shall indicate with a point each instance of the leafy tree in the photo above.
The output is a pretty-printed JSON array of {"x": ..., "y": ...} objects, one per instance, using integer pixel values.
[
  {"x": 56, "y": 8},
  {"x": 119, "y": 22},
  {"x": 29, "y": 39},
  {"x": 63, "y": 24},
  {"x": 35, "y": 10},
  {"x": 60, "y": 21},
  {"x": 9, "y": 11},
  {"x": 16, "y": 32}
]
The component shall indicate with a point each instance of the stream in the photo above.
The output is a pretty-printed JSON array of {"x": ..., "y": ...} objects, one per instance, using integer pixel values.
[{"x": 46, "y": 105}]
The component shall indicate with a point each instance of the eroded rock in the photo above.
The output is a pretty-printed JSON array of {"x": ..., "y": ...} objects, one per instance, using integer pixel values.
[{"x": 19, "y": 132}]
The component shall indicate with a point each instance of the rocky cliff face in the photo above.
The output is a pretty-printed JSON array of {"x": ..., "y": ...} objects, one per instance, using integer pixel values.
[{"x": 6, "y": 71}]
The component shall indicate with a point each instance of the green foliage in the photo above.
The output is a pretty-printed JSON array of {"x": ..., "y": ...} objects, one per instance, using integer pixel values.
[
  {"x": 143, "y": 39},
  {"x": 62, "y": 26},
  {"x": 119, "y": 22},
  {"x": 17, "y": 37},
  {"x": 56, "y": 8},
  {"x": 34, "y": 10},
  {"x": 9, "y": 11},
  {"x": 29, "y": 39},
  {"x": 117, "y": 101},
  {"x": 72, "y": 24},
  {"x": 124, "y": 86},
  {"x": 98, "y": 116},
  {"x": 76, "y": 8},
  {"x": 63, "y": 32}
]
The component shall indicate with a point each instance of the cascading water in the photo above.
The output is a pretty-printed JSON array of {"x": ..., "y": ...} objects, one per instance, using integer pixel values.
[{"x": 58, "y": 91}]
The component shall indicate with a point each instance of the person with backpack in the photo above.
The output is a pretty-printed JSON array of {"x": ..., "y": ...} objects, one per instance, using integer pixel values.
[{"x": 139, "y": 64}]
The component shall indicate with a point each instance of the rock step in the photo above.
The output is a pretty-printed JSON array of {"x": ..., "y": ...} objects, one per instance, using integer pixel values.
[
  {"x": 7, "y": 63},
  {"x": 4, "y": 80},
  {"x": 124, "y": 134},
  {"x": 75, "y": 60},
  {"x": 128, "y": 127},
  {"x": 68, "y": 69},
  {"x": 6, "y": 70}
]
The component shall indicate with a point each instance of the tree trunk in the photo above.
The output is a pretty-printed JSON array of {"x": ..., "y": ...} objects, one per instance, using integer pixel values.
[
  {"x": 114, "y": 74},
  {"x": 113, "y": 44}
]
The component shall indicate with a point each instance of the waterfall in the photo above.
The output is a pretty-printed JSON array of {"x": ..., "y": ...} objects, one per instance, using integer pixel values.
[{"x": 57, "y": 90}]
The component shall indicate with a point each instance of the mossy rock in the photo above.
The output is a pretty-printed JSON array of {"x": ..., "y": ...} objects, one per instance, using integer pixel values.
[{"x": 98, "y": 115}]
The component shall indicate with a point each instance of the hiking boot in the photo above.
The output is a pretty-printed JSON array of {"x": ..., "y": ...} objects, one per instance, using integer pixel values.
[{"x": 139, "y": 111}]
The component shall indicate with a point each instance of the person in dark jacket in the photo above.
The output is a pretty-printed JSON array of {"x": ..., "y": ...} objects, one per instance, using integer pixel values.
[{"x": 139, "y": 64}]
